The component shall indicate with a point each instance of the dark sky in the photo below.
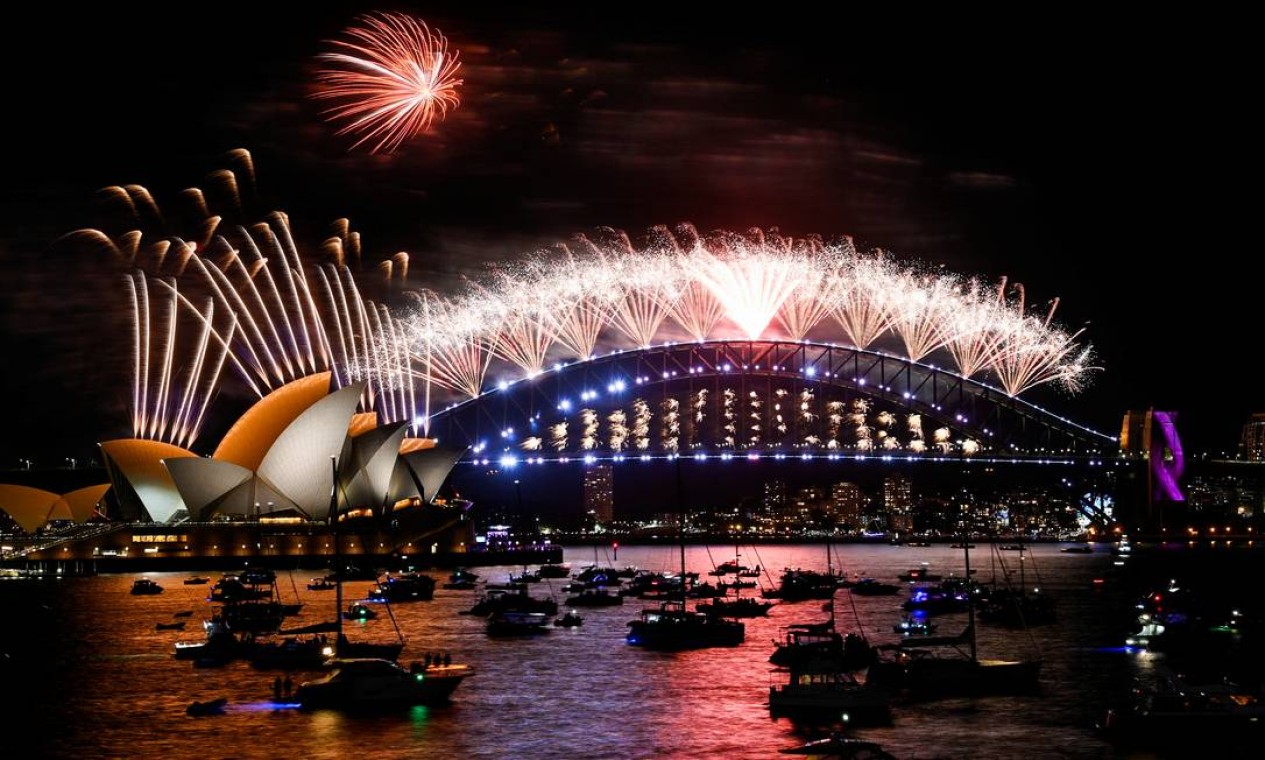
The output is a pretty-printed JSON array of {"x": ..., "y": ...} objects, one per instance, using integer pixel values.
[{"x": 1100, "y": 160}]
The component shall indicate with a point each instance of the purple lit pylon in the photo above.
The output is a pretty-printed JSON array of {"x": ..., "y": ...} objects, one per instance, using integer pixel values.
[{"x": 1167, "y": 461}]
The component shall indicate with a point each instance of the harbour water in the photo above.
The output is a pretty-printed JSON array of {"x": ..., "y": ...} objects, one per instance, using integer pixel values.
[{"x": 87, "y": 674}]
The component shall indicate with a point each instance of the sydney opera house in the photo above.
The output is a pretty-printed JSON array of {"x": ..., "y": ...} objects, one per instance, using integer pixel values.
[{"x": 297, "y": 457}]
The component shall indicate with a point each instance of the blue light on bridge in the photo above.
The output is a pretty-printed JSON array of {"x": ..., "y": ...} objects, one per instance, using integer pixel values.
[
  {"x": 565, "y": 405},
  {"x": 589, "y": 459},
  {"x": 508, "y": 461}
]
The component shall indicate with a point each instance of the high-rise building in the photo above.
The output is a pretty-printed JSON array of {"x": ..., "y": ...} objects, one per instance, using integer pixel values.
[
  {"x": 898, "y": 502},
  {"x": 845, "y": 503},
  {"x": 599, "y": 492},
  {"x": 1252, "y": 442},
  {"x": 775, "y": 497}
]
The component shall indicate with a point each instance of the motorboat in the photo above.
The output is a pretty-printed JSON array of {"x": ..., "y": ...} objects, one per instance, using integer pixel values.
[
  {"x": 873, "y": 587},
  {"x": 359, "y": 611},
  {"x": 514, "y": 623},
  {"x": 321, "y": 584},
  {"x": 921, "y": 574},
  {"x": 741, "y": 607},
  {"x": 797, "y": 585},
  {"x": 1173, "y": 711},
  {"x": 290, "y": 653},
  {"x": 503, "y": 600},
  {"x": 1078, "y": 549},
  {"x": 461, "y": 580},
  {"x": 176, "y": 626},
  {"x": 197, "y": 580},
  {"x": 555, "y": 571},
  {"x": 145, "y": 587},
  {"x": 209, "y": 707},
  {"x": 672, "y": 627},
  {"x": 371, "y": 684},
  {"x": 821, "y": 645},
  {"x": 570, "y": 620},
  {"x": 914, "y": 626},
  {"x": 594, "y": 598},
  {"x": 830, "y": 691},
  {"x": 405, "y": 587}
]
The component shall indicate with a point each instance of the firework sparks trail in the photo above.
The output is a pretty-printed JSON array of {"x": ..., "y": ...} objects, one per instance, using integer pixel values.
[
  {"x": 863, "y": 295},
  {"x": 391, "y": 79},
  {"x": 923, "y": 318}
]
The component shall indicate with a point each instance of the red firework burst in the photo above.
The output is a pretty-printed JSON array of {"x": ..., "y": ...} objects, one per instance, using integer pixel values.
[{"x": 391, "y": 78}]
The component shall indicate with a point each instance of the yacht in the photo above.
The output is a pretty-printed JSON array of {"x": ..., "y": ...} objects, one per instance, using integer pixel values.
[
  {"x": 370, "y": 684},
  {"x": 145, "y": 587},
  {"x": 405, "y": 587},
  {"x": 672, "y": 627},
  {"x": 515, "y": 623},
  {"x": 1174, "y": 711},
  {"x": 830, "y": 691}
]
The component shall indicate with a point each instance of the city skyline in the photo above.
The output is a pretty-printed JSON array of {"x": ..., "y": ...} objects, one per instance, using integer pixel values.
[{"x": 985, "y": 189}]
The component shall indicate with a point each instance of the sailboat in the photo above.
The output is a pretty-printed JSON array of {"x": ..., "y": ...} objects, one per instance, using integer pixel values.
[
  {"x": 672, "y": 626},
  {"x": 950, "y": 666},
  {"x": 365, "y": 675}
]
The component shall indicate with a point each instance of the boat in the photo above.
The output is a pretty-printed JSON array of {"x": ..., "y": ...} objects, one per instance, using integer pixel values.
[
  {"x": 820, "y": 644},
  {"x": 405, "y": 587},
  {"x": 321, "y": 584},
  {"x": 1172, "y": 712},
  {"x": 183, "y": 614},
  {"x": 359, "y": 611},
  {"x": 839, "y": 747},
  {"x": 1016, "y": 606},
  {"x": 594, "y": 598},
  {"x": 145, "y": 587},
  {"x": 672, "y": 626},
  {"x": 739, "y": 607},
  {"x": 1078, "y": 549},
  {"x": 197, "y": 580},
  {"x": 515, "y": 623},
  {"x": 554, "y": 570},
  {"x": 371, "y": 684},
  {"x": 797, "y": 585},
  {"x": 873, "y": 587},
  {"x": 218, "y": 645},
  {"x": 290, "y": 653},
  {"x": 177, "y": 626},
  {"x": 946, "y": 597},
  {"x": 461, "y": 580},
  {"x": 933, "y": 667},
  {"x": 921, "y": 574},
  {"x": 914, "y": 626},
  {"x": 833, "y": 692},
  {"x": 569, "y": 620},
  {"x": 503, "y": 600},
  {"x": 210, "y": 707}
]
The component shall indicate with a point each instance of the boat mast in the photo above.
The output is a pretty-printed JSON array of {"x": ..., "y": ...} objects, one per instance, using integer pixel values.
[
  {"x": 338, "y": 570},
  {"x": 680, "y": 526},
  {"x": 970, "y": 594}
]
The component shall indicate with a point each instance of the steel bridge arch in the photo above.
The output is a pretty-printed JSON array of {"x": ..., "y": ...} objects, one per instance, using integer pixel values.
[{"x": 1003, "y": 425}]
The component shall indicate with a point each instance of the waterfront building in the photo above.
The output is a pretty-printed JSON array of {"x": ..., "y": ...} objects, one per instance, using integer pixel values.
[
  {"x": 599, "y": 493},
  {"x": 1252, "y": 440}
]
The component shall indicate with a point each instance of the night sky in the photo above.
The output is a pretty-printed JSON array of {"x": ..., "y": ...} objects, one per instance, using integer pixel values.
[{"x": 1103, "y": 161}]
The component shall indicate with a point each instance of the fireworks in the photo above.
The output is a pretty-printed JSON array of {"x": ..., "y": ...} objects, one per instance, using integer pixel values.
[
  {"x": 564, "y": 302},
  {"x": 389, "y": 80}
]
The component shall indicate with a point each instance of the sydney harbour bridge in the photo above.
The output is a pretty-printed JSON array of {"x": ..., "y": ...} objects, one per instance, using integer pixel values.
[{"x": 682, "y": 344}]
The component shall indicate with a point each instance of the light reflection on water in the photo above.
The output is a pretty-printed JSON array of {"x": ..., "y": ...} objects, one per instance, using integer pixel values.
[{"x": 113, "y": 689}]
